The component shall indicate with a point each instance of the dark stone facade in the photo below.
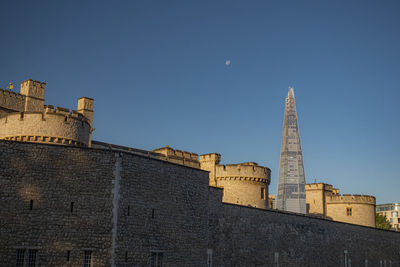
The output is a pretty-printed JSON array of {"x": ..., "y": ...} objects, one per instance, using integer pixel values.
[
  {"x": 245, "y": 236},
  {"x": 126, "y": 206}
]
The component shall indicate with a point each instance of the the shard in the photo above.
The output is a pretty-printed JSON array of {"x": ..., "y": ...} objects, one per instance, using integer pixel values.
[{"x": 291, "y": 194}]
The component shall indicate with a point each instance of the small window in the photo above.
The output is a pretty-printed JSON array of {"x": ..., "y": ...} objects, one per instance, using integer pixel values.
[
  {"x": 152, "y": 213},
  {"x": 126, "y": 256},
  {"x": 32, "y": 258},
  {"x": 72, "y": 207},
  {"x": 129, "y": 210},
  {"x": 31, "y": 205},
  {"x": 276, "y": 259},
  {"x": 349, "y": 211},
  {"x": 262, "y": 192},
  {"x": 68, "y": 254},
  {"x": 20, "y": 257},
  {"x": 209, "y": 257},
  {"x": 157, "y": 259},
  {"x": 26, "y": 258},
  {"x": 87, "y": 258}
]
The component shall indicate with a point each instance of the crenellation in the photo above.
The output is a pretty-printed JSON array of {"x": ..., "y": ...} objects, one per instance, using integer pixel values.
[
  {"x": 352, "y": 198},
  {"x": 49, "y": 109},
  {"x": 11, "y": 101},
  {"x": 179, "y": 156},
  {"x": 63, "y": 111},
  {"x": 244, "y": 183},
  {"x": 57, "y": 124},
  {"x": 24, "y": 115},
  {"x": 249, "y": 169}
]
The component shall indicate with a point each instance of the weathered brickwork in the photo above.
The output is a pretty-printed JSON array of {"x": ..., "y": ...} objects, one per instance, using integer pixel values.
[
  {"x": 53, "y": 177},
  {"x": 167, "y": 207},
  {"x": 128, "y": 205}
]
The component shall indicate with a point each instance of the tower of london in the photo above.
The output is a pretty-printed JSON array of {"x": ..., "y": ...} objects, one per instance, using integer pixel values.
[{"x": 68, "y": 200}]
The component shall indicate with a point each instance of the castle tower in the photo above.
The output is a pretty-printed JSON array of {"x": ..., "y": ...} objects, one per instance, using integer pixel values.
[
  {"x": 34, "y": 92},
  {"x": 244, "y": 184},
  {"x": 208, "y": 162},
  {"x": 23, "y": 117},
  {"x": 291, "y": 194},
  {"x": 85, "y": 107}
]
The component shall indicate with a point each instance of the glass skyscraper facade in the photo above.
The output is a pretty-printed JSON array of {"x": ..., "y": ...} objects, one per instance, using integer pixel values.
[{"x": 291, "y": 194}]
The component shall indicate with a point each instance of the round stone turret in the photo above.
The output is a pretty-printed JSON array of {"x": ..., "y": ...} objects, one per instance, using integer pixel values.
[
  {"x": 51, "y": 126},
  {"x": 356, "y": 209},
  {"x": 23, "y": 117},
  {"x": 244, "y": 184}
]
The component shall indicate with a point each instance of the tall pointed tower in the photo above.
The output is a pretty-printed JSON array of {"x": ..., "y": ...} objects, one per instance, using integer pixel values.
[{"x": 291, "y": 194}]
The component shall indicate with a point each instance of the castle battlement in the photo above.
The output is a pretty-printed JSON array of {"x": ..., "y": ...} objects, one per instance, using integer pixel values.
[
  {"x": 33, "y": 88},
  {"x": 321, "y": 186},
  {"x": 353, "y": 199},
  {"x": 214, "y": 157},
  {"x": 11, "y": 101},
  {"x": 24, "y": 117},
  {"x": 244, "y": 183},
  {"x": 46, "y": 127},
  {"x": 179, "y": 156},
  {"x": 10, "y": 93},
  {"x": 247, "y": 169},
  {"x": 177, "y": 153},
  {"x": 318, "y": 186}
]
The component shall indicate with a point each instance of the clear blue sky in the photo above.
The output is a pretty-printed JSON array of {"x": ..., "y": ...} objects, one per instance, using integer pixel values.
[{"x": 157, "y": 72}]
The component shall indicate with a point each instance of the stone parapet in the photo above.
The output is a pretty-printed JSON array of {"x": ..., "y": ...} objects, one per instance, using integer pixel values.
[
  {"x": 318, "y": 186},
  {"x": 348, "y": 198},
  {"x": 51, "y": 126},
  {"x": 11, "y": 101},
  {"x": 179, "y": 157},
  {"x": 213, "y": 157},
  {"x": 244, "y": 171}
]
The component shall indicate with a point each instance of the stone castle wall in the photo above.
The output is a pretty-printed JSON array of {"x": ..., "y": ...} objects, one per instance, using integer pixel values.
[
  {"x": 53, "y": 177},
  {"x": 244, "y": 236},
  {"x": 127, "y": 206},
  {"x": 60, "y": 126}
]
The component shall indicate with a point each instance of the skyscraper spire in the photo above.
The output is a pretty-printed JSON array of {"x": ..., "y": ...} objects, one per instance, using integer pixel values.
[{"x": 291, "y": 194}]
